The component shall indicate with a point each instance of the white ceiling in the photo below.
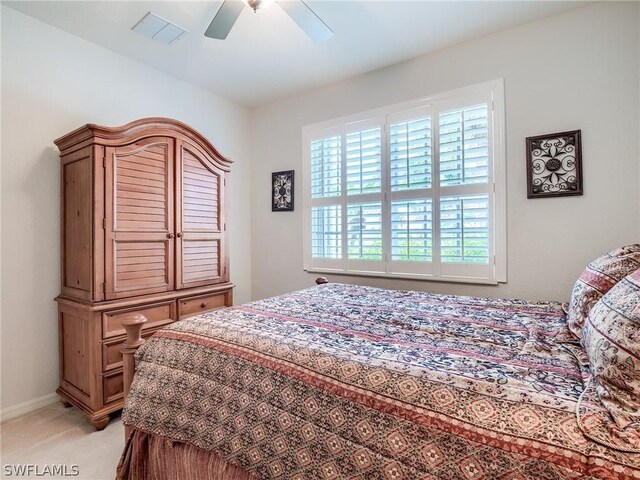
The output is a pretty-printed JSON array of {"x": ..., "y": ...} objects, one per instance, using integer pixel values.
[{"x": 267, "y": 56}]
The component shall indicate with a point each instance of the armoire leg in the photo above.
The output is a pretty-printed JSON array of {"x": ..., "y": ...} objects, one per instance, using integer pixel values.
[{"x": 100, "y": 422}]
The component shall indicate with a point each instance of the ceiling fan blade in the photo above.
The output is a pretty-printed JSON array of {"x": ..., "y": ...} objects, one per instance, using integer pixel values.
[
  {"x": 307, "y": 20},
  {"x": 225, "y": 18}
]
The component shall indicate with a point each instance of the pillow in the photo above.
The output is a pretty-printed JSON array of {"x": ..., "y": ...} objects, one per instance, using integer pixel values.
[
  {"x": 611, "y": 339},
  {"x": 596, "y": 280}
]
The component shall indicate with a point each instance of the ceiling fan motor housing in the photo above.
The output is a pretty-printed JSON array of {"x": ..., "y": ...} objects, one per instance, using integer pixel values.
[
  {"x": 257, "y": 4},
  {"x": 299, "y": 12}
]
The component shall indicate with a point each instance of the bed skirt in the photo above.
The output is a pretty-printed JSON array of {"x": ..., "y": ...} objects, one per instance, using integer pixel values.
[{"x": 150, "y": 457}]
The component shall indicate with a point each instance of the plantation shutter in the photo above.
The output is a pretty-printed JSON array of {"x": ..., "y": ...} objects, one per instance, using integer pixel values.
[
  {"x": 409, "y": 192},
  {"x": 464, "y": 229},
  {"x": 326, "y": 228},
  {"x": 364, "y": 224},
  {"x": 411, "y": 230},
  {"x": 364, "y": 161},
  {"x": 466, "y": 187},
  {"x": 410, "y": 149},
  {"x": 326, "y": 212},
  {"x": 326, "y": 156}
]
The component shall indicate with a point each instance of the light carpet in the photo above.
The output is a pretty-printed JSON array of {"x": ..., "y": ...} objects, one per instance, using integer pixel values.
[{"x": 56, "y": 435}]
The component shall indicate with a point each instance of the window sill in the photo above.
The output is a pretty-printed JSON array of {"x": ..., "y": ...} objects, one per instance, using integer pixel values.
[{"x": 406, "y": 276}]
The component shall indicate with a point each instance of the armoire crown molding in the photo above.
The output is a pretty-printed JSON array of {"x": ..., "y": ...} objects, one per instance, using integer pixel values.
[{"x": 131, "y": 132}]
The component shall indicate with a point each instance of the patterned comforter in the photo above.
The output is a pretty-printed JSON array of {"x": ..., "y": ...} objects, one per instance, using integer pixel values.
[{"x": 349, "y": 382}]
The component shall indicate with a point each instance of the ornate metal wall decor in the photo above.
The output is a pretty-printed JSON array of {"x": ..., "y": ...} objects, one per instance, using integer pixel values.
[
  {"x": 282, "y": 191},
  {"x": 554, "y": 165}
]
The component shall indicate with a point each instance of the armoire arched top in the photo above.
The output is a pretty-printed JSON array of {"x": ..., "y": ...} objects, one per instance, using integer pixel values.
[{"x": 92, "y": 133}]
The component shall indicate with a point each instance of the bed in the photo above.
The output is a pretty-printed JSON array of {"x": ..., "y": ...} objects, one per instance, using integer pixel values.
[{"x": 350, "y": 382}]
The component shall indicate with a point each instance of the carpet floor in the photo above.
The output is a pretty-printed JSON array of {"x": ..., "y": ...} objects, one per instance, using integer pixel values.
[{"x": 56, "y": 435}]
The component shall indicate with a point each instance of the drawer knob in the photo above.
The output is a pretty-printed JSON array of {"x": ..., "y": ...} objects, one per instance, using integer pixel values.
[
  {"x": 179, "y": 235},
  {"x": 169, "y": 235},
  {"x": 203, "y": 305}
]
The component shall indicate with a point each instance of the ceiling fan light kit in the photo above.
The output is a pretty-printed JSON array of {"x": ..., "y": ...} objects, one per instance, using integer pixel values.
[{"x": 299, "y": 12}]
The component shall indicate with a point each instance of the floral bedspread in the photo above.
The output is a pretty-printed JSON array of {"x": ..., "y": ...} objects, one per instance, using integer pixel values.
[{"x": 348, "y": 382}]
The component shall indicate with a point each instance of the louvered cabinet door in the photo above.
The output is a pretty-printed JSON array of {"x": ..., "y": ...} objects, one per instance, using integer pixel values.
[
  {"x": 139, "y": 218},
  {"x": 200, "y": 248}
]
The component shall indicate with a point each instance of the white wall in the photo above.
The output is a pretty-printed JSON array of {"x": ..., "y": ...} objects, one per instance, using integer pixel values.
[
  {"x": 53, "y": 82},
  {"x": 578, "y": 70}
]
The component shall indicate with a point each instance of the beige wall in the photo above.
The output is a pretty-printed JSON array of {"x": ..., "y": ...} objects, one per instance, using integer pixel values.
[
  {"x": 579, "y": 70},
  {"x": 53, "y": 82}
]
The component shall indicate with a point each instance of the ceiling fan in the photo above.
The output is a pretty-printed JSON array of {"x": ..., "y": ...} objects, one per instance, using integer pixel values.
[{"x": 299, "y": 11}]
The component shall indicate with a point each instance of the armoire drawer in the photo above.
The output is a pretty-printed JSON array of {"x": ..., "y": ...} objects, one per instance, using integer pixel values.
[
  {"x": 204, "y": 303},
  {"x": 112, "y": 351},
  {"x": 112, "y": 387},
  {"x": 157, "y": 315}
]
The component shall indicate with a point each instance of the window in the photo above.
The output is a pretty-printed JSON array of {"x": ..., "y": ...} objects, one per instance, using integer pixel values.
[{"x": 415, "y": 190}]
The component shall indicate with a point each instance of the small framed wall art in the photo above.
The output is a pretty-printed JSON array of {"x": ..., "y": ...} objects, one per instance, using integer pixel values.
[
  {"x": 282, "y": 191},
  {"x": 554, "y": 165}
]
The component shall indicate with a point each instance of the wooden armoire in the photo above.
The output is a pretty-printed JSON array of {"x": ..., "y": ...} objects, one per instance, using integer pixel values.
[{"x": 144, "y": 212}]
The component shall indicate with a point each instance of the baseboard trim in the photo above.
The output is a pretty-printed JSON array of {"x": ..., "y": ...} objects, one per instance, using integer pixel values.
[{"x": 26, "y": 407}]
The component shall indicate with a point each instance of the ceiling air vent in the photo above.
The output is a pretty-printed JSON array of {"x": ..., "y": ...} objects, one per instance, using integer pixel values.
[{"x": 157, "y": 28}]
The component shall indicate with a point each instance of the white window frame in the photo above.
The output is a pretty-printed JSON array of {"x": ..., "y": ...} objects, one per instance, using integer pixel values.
[{"x": 496, "y": 271}]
